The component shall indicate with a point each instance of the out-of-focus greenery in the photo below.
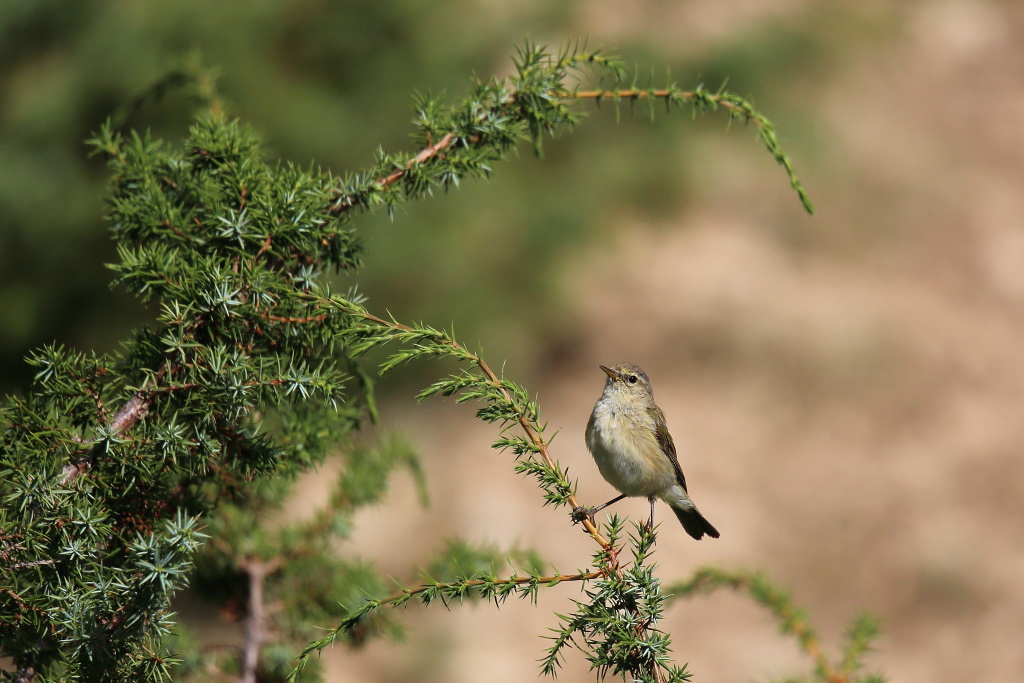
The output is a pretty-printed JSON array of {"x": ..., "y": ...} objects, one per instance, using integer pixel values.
[{"x": 326, "y": 82}]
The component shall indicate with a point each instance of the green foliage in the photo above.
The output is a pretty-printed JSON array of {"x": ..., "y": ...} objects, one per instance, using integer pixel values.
[
  {"x": 534, "y": 101},
  {"x": 616, "y": 627},
  {"x": 227, "y": 388},
  {"x": 249, "y": 376}
]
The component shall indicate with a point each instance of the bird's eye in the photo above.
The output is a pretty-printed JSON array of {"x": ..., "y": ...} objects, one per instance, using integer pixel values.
[{"x": 632, "y": 379}]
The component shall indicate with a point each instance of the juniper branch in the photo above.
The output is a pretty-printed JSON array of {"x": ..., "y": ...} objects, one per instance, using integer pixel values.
[
  {"x": 428, "y": 341},
  {"x": 703, "y": 101},
  {"x": 509, "y": 404},
  {"x": 528, "y": 103},
  {"x": 482, "y": 585},
  {"x": 859, "y": 637}
]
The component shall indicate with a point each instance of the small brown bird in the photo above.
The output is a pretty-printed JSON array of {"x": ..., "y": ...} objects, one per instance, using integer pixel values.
[{"x": 629, "y": 440}]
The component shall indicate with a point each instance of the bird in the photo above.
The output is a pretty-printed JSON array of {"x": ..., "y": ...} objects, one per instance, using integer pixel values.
[{"x": 629, "y": 439}]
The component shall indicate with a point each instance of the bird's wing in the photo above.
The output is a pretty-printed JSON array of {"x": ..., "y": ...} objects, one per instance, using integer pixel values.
[{"x": 668, "y": 447}]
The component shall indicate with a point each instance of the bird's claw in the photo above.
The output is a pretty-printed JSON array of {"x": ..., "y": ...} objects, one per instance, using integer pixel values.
[{"x": 580, "y": 513}]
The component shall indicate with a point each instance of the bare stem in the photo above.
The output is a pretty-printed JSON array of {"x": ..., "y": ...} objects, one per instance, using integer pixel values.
[
  {"x": 425, "y": 155},
  {"x": 127, "y": 417},
  {"x": 257, "y": 570}
]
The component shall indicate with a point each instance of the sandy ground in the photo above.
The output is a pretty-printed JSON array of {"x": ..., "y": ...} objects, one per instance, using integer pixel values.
[{"x": 846, "y": 390}]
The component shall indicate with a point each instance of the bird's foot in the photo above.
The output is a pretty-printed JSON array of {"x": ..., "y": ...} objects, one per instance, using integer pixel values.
[{"x": 580, "y": 513}]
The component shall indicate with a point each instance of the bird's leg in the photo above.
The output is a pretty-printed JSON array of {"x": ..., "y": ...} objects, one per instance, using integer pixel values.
[
  {"x": 610, "y": 502},
  {"x": 650, "y": 523},
  {"x": 580, "y": 513}
]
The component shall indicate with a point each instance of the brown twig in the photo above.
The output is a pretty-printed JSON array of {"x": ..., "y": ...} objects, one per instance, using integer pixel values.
[
  {"x": 195, "y": 385},
  {"x": 127, "y": 417},
  {"x": 263, "y": 249},
  {"x": 542, "y": 446},
  {"x": 132, "y": 412},
  {"x": 167, "y": 224},
  {"x": 425, "y": 154},
  {"x": 434, "y": 149},
  {"x": 33, "y": 563}
]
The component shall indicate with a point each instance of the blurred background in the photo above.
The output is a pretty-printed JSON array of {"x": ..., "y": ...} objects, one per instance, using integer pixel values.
[{"x": 846, "y": 390}]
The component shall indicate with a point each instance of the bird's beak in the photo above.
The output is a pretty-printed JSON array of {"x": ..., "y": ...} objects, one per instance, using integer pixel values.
[{"x": 611, "y": 373}]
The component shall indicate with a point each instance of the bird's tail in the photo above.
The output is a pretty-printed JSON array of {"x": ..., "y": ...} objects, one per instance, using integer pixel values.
[{"x": 694, "y": 522}]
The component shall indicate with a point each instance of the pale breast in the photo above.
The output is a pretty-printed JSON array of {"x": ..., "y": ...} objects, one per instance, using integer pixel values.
[{"x": 626, "y": 452}]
